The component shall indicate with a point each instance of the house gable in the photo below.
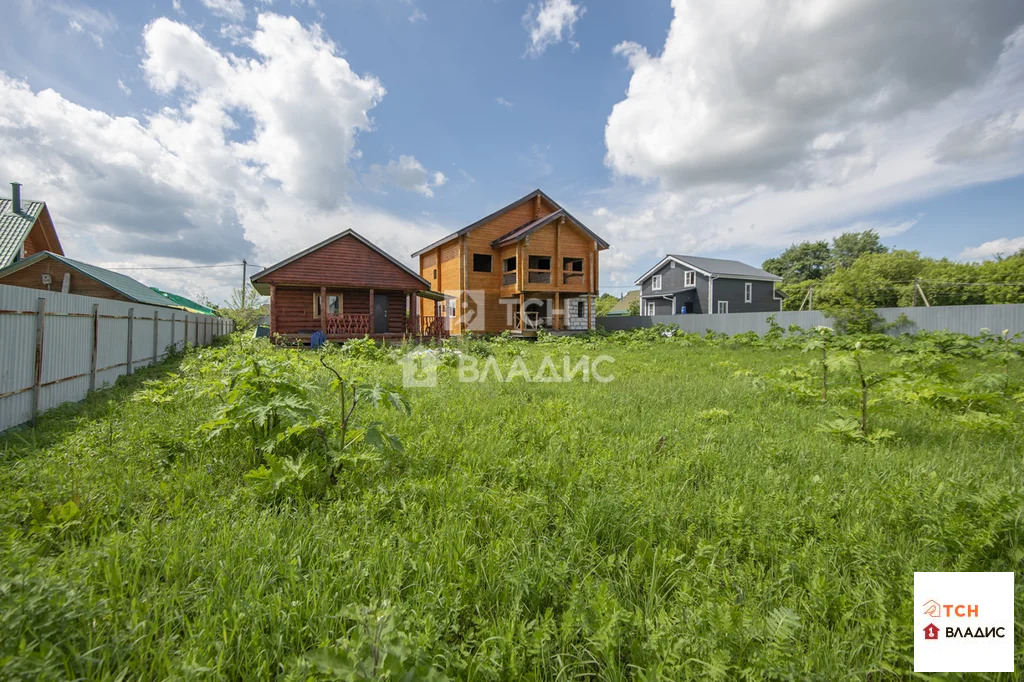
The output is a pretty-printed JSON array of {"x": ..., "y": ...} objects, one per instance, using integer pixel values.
[{"x": 346, "y": 260}]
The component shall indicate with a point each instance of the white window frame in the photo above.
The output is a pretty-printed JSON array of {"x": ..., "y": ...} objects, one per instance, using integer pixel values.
[
  {"x": 656, "y": 283},
  {"x": 748, "y": 292},
  {"x": 690, "y": 278},
  {"x": 651, "y": 308},
  {"x": 723, "y": 308}
]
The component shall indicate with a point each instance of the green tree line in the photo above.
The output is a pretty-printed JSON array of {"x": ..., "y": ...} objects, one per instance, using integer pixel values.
[{"x": 857, "y": 271}]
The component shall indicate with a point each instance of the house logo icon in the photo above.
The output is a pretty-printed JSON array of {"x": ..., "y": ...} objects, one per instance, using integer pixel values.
[
  {"x": 932, "y": 608},
  {"x": 931, "y": 631}
]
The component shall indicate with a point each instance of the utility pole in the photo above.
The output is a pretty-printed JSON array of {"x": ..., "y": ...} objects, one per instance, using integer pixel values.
[{"x": 244, "y": 266}]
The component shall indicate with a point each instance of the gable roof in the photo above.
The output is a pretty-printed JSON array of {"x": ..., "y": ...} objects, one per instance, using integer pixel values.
[
  {"x": 714, "y": 267},
  {"x": 14, "y": 227},
  {"x": 530, "y": 227},
  {"x": 331, "y": 240},
  {"x": 515, "y": 204},
  {"x": 622, "y": 306},
  {"x": 122, "y": 284}
]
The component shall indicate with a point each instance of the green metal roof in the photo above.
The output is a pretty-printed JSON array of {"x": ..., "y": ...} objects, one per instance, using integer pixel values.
[
  {"x": 186, "y": 303},
  {"x": 14, "y": 227},
  {"x": 123, "y": 284}
]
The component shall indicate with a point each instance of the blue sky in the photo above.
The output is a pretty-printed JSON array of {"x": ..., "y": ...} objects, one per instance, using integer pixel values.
[{"x": 205, "y": 131}]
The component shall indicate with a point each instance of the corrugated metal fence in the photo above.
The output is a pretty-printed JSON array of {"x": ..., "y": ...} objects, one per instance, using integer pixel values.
[
  {"x": 966, "y": 319},
  {"x": 56, "y": 347}
]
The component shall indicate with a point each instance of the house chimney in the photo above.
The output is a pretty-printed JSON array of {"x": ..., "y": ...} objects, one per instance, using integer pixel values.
[{"x": 16, "y": 197}]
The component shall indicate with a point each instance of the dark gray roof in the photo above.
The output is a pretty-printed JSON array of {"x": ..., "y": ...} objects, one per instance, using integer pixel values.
[{"x": 726, "y": 268}]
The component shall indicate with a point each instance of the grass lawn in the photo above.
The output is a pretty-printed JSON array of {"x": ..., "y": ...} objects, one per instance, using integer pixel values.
[{"x": 688, "y": 519}]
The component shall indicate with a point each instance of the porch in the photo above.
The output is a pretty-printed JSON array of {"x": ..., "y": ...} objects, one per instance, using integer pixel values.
[{"x": 556, "y": 313}]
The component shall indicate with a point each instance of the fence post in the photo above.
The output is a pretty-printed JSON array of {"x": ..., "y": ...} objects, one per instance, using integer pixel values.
[
  {"x": 173, "y": 315},
  {"x": 156, "y": 335},
  {"x": 36, "y": 384},
  {"x": 95, "y": 345},
  {"x": 131, "y": 334}
]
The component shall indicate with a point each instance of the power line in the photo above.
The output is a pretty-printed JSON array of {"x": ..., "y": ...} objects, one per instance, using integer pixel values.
[{"x": 181, "y": 267}]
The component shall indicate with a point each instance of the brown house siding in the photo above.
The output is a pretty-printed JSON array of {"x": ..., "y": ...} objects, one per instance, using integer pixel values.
[
  {"x": 31, "y": 276},
  {"x": 346, "y": 262}
]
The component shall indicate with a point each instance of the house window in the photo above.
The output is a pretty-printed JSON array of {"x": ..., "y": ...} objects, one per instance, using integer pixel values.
[
  {"x": 335, "y": 304},
  {"x": 650, "y": 307},
  {"x": 435, "y": 273},
  {"x": 723, "y": 307},
  {"x": 748, "y": 292},
  {"x": 579, "y": 309},
  {"x": 540, "y": 262},
  {"x": 689, "y": 278},
  {"x": 509, "y": 264},
  {"x": 656, "y": 283},
  {"x": 481, "y": 262},
  {"x": 572, "y": 264}
]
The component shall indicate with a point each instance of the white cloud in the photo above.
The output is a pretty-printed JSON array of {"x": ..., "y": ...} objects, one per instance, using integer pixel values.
[
  {"x": 1005, "y": 246},
  {"x": 763, "y": 123},
  {"x": 504, "y": 102},
  {"x": 407, "y": 173},
  {"x": 551, "y": 22},
  {"x": 247, "y": 158},
  {"x": 229, "y": 9},
  {"x": 124, "y": 88}
]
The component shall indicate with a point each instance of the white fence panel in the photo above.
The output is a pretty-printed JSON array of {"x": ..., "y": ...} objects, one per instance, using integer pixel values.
[
  {"x": 55, "y": 348},
  {"x": 965, "y": 319}
]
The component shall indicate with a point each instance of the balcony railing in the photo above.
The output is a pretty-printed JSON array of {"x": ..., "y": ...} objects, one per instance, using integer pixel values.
[
  {"x": 434, "y": 326},
  {"x": 356, "y": 324},
  {"x": 539, "y": 277},
  {"x": 571, "y": 277},
  {"x": 508, "y": 278},
  {"x": 531, "y": 320}
]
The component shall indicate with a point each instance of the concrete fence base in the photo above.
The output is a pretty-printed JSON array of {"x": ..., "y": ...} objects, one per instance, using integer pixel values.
[{"x": 965, "y": 319}]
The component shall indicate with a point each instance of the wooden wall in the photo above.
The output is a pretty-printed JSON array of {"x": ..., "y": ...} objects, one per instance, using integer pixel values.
[
  {"x": 293, "y": 308},
  {"x": 346, "y": 262},
  {"x": 31, "y": 276}
]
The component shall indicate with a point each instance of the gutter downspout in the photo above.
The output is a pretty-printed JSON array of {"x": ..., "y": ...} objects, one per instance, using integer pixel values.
[{"x": 711, "y": 294}]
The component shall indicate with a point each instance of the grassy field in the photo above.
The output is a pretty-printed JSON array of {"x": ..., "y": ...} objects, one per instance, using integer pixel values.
[{"x": 704, "y": 514}]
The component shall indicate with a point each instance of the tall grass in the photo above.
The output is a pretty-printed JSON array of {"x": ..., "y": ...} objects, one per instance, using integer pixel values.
[{"x": 678, "y": 522}]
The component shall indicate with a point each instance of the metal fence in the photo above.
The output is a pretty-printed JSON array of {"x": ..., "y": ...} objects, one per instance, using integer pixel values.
[
  {"x": 55, "y": 348},
  {"x": 966, "y": 319}
]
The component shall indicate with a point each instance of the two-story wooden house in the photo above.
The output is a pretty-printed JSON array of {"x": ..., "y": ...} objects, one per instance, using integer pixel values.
[{"x": 528, "y": 265}]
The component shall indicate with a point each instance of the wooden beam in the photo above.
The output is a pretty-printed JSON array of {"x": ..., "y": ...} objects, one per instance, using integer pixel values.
[
  {"x": 597, "y": 269},
  {"x": 465, "y": 283},
  {"x": 522, "y": 312},
  {"x": 273, "y": 313},
  {"x": 556, "y": 267},
  {"x": 323, "y": 310}
]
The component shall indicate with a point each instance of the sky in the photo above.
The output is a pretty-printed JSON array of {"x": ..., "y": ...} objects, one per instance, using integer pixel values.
[{"x": 201, "y": 132}]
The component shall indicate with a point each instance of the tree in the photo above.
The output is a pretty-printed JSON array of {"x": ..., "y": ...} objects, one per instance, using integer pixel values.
[
  {"x": 245, "y": 316},
  {"x": 804, "y": 261},
  {"x": 603, "y": 304},
  {"x": 633, "y": 308},
  {"x": 849, "y": 246}
]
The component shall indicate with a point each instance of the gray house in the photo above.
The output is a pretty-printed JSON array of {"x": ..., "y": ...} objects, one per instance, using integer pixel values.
[{"x": 692, "y": 284}]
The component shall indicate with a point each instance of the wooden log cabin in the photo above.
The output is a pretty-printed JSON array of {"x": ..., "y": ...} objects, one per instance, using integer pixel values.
[
  {"x": 527, "y": 266},
  {"x": 346, "y": 287}
]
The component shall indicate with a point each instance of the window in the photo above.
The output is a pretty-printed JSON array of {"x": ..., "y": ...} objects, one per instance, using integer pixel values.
[
  {"x": 672, "y": 264},
  {"x": 509, "y": 264},
  {"x": 656, "y": 283},
  {"x": 481, "y": 262},
  {"x": 572, "y": 264},
  {"x": 540, "y": 262},
  {"x": 723, "y": 307},
  {"x": 689, "y": 278},
  {"x": 435, "y": 273},
  {"x": 335, "y": 304},
  {"x": 748, "y": 292},
  {"x": 650, "y": 307},
  {"x": 579, "y": 309}
]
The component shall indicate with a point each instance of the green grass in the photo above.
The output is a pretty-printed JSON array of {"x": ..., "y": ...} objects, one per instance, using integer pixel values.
[{"x": 678, "y": 522}]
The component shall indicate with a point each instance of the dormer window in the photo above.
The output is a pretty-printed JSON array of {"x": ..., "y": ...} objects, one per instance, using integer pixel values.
[
  {"x": 656, "y": 283},
  {"x": 689, "y": 278}
]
